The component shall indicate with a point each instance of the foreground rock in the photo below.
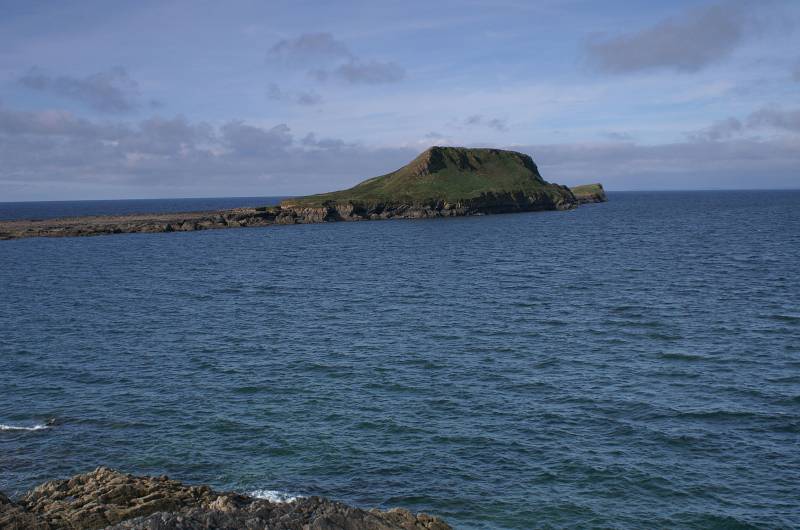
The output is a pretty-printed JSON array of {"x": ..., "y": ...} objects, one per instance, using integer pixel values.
[
  {"x": 441, "y": 182},
  {"x": 106, "y": 498}
]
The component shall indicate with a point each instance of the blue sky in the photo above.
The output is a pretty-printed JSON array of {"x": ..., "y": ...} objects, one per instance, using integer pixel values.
[{"x": 183, "y": 99}]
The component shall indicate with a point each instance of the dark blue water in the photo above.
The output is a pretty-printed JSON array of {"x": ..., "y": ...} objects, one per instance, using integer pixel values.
[
  {"x": 53, "y": 209},
  {"x": 634, "y": 364}
]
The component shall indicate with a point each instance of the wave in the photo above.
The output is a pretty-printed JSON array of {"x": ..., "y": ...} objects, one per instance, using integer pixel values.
[
  {"x": 37, "y": 427},
  {"x": 679, "y": 356},
  {"x": 275, "y": 496},
  {"x": 785, "y": 318}
]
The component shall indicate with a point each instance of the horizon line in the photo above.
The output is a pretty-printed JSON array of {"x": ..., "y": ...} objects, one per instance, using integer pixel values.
[{"x": 660, "y": 190}]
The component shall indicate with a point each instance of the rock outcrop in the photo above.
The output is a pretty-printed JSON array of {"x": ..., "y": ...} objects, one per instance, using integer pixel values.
[
  {"x": 106, "y": 498},
  {"x": 441, "y": 182},
  {"x": 589, "y": 193}
]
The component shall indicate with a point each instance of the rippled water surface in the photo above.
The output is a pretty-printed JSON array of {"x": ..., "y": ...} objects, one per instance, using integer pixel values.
[{"x": 630, "y": 364}]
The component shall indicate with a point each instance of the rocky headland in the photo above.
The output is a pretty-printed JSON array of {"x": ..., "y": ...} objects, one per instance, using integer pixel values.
[
  {"x": 105, "y": 498},
  {"x": 440, "y": 182},
  {"x": 588, "y": 193}
]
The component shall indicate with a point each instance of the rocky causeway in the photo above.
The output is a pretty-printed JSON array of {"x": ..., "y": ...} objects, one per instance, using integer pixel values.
[{"x": 440, "y": 182}]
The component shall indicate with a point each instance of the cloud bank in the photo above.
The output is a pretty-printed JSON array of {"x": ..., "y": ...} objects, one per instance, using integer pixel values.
[
  {"x": 58, "y": 149},
  {"x": 693, "y": 164},
  {"x": 766, "y": 119}
]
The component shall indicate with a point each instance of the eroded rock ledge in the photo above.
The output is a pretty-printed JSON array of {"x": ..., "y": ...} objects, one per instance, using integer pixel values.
[
  {"x": 106, "y": 498},
  {"x": 279, "y": 215}
]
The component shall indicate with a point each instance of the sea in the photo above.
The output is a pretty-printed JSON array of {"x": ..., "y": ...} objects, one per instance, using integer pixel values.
[{"x": 632, "y": 364}]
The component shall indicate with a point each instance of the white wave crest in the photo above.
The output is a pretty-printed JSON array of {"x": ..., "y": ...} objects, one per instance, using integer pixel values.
[
  {"x": 37, "y": 427},
  {"x": 275, "y": 496}
]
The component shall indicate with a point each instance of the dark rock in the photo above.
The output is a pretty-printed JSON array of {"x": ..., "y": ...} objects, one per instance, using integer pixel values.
[{"x": 106, "y": 498}]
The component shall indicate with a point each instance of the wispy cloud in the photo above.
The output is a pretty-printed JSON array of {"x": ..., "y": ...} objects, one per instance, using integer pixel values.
[
  {"x": 300, "y": 97},
  {"x": 111, "y": 91},
  {"x": 688, "y": 43},
  {"x": 309, "y": 47},
  {"x": 719, "y": 130},
  {"x": 618, "y": 136},
  {"x": 328, "y": 58},
  {"x": 369, "y": 72},
  {"x": 498, "y": 124}
]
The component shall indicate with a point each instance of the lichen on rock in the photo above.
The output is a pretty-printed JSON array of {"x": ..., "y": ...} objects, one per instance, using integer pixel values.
[{"x": 105, "y": 498}]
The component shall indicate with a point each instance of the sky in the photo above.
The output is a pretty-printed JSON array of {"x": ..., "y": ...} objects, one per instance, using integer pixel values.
[{"x": 146, "y": 99}]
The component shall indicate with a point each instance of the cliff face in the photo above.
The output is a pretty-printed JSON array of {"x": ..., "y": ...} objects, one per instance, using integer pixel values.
[
  {"x": 486, "y": 203},
  {"x": 106, "y": 498}
]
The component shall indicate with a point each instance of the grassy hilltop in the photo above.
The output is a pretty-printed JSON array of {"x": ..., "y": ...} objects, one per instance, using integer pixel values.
[{"x": 449, "y": 174}]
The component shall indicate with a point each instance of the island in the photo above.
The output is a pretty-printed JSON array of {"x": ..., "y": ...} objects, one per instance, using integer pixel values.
[
  {"x": 106, "y": 498},
  {"x": 440, "y": 182}
]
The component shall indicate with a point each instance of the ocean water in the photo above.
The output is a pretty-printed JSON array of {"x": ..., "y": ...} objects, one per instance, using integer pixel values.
[{"x": 634, "y": 364}]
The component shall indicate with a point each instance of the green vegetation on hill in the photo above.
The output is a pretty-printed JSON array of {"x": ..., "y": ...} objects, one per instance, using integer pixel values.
[
  {"x": 588, "y": 189},
  {"x": 589, "y": 193},
  {"x": 449, "y": 174}
]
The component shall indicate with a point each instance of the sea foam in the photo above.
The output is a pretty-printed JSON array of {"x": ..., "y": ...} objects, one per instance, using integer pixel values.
[
  {"x": 275, "y": 496},
  {"x": 36, "y": 427}
]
